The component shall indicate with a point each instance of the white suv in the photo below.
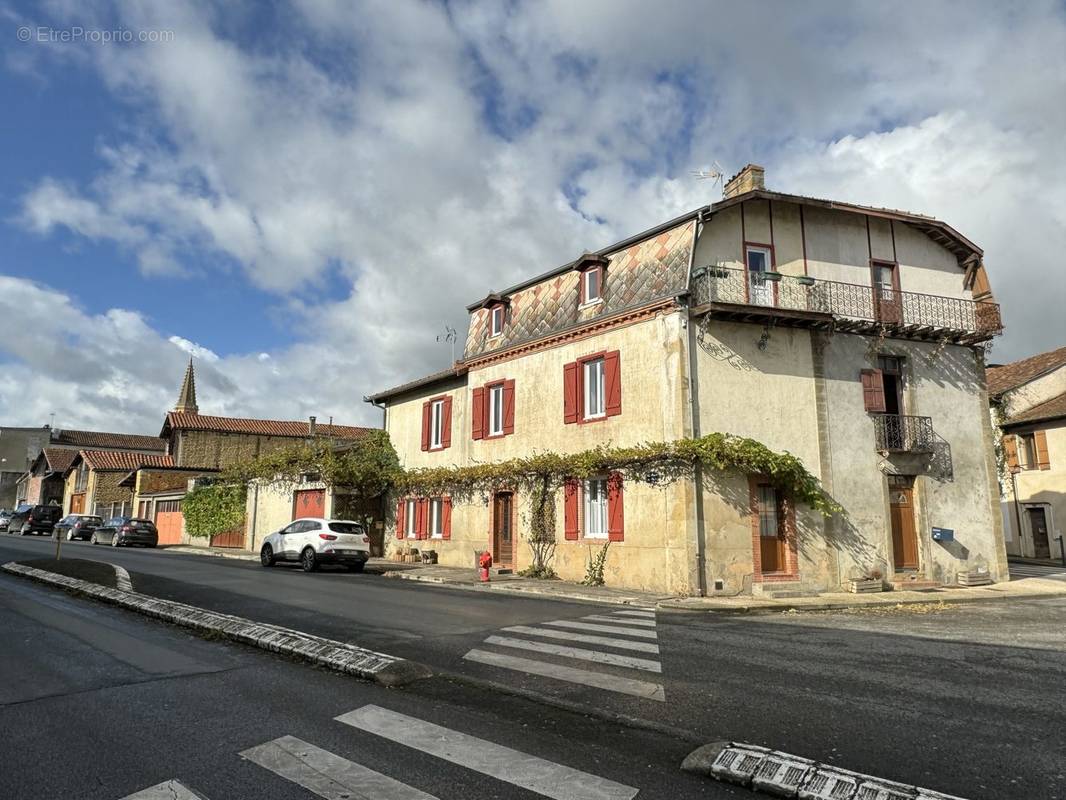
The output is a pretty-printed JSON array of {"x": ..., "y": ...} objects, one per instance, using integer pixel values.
[{"x": 316, "y": 541}]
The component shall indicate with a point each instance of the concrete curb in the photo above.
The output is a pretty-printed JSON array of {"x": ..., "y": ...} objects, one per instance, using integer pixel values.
[
  {"x": 188, "y": 550},
  {"x": 339, "y": 656},
  {"x": 785, "y": 775}
]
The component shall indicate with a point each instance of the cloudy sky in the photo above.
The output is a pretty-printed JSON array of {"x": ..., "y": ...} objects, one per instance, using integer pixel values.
[{"x": 304, "y": 196}]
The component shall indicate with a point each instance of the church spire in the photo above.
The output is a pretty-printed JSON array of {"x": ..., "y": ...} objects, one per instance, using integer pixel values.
[{"x": 187, "y": 397}]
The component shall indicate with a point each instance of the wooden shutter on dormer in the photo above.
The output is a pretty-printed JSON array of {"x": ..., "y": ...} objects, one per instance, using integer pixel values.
[
  {"x": 873, "y": 391},
  {"x": 570, "y": 498},
  {"x": 508, "y": 407},
  {"x": 1010, "y": 451},
  {"x": 477, "y": 412},
  {"x": 446, "y": 422},
  {"x": 427, "y": 411},
  {"x": 570, "y": 400},
  {"x": 612, "y": 383},
  {"x": 1040, "y": 442},
  {"x": 615, "y": 508}
]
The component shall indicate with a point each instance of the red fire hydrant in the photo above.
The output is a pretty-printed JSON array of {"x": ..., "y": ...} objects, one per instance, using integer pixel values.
[{"x": 484, "y": 562}]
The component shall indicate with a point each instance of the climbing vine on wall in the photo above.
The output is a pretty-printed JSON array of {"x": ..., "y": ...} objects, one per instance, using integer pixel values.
[{"x": 212, "y": 508}]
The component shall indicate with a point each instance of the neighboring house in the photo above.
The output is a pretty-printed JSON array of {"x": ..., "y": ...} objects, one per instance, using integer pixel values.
[
  {"x": 94, "y": 480},
  {"x": 45, "y": 480},
  {"x": 1029, "y": 405},
  {"x": 852, "y": 337},
  {"x": 18, "y": 449}
]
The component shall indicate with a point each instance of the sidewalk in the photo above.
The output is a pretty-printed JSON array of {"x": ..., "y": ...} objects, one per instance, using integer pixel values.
[{"x": 220, "y": 552}]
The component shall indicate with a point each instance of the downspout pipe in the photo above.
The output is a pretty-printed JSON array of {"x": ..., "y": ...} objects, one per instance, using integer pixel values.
[{"x": 694, "y": 399}]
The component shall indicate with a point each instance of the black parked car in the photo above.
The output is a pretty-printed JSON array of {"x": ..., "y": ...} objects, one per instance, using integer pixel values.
[
  {"x": 34, "y": 519},
  {"x": 77, "y": 526},
  {"x": 118, "y": 531}
]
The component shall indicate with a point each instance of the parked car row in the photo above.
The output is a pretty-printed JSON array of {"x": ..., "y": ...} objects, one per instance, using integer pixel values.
[{"x": 28, "y": 518}]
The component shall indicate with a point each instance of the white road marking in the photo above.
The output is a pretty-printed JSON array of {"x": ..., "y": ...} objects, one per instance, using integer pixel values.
[
  {"x": 600, "y": 680},
  {"x": 122, "y": 579},
  {"x": 547, "y": 633},
  {"x": 326, "y": 774},
  {"x": 589, "y": 626},
  {"x": 511, "y": 766},
  {"x": 645, "y": 614},
  {"x": 168, "y": 790},
  {"x": 576, "y": 652},
  {"x": 645, "y": 623}
]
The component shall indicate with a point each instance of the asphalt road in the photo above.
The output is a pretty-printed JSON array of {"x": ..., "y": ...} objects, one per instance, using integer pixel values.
[{"x": 964, "y": 700}]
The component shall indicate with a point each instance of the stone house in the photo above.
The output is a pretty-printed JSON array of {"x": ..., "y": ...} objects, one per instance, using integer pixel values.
[
  {"x": 850, "y": 336},
  {"x": 1029, "y": 405},
  {"x": 94, "y": 480},
  {"x": 44, "y": 483}
]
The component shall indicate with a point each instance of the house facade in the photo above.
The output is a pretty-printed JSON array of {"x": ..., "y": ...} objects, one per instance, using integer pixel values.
[
  {"x": 94, "y": 481},
  {"x": 1029, "y": 405},
  {"x": 852, "y": 337}
]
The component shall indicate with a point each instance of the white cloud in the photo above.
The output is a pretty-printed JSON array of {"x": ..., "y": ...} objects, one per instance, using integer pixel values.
[{"x": 193, "y": 349}]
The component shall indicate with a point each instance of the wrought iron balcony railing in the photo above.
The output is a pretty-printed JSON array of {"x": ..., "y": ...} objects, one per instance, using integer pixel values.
[
  {"x": 912, "y": 311},
  {"x": 898, "y": 433}
]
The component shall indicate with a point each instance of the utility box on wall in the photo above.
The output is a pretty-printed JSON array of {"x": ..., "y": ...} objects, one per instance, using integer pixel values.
[{"x": 943, "y": 535}]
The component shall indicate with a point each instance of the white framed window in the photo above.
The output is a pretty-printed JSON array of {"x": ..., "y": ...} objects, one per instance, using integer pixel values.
[
  {"x": 436, "y": 518},
  {"x": 496, "y": 320},
  {"x": 759, "y": 259},
  {"x": 436, "y": 424},
  {"x": 592, "y": 290},
  {"x": 594, "y": 388},
  {"x": 596, "y": 508},
  {"x": 409, "y": 520},
  {"x": 496, "y": 410}
]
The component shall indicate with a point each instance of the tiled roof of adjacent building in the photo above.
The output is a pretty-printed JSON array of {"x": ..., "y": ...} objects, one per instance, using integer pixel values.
[
  {"x": 124, "y": 459},
  {"x": 178, "y": 420},
  {"x": 1004, "y": 377},
  {"x": 58, "y": 458},
  {"x": 1055, "y": 408},
  {"x": 101, "y": 439}
]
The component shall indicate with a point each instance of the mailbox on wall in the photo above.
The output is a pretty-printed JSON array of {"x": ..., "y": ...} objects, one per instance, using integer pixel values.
[{"x": 943, "y": 535}]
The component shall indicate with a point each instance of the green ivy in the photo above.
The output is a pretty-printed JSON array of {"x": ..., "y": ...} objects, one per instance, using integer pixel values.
[{"x": 212, "y": 508}]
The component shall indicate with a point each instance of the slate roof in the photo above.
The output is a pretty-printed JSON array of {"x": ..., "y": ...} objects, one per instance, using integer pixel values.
[
  {"x": 123, "y": 460},
  {"x": 1055, "y": 408},
  {"x": 177, "y": 420},
  {"x": 1004, "y": 377},
  {"x": 100, "y": 439}
]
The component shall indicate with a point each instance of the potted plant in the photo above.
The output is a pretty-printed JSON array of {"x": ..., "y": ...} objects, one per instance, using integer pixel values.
[
  {"x": 868, "y": 581},
  {"x": 718, "y": 272},
  {"x": 806, "y": 280}
]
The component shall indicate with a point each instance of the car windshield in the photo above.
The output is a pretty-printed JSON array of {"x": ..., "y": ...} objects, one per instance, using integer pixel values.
[{"x": 346, "y": 527}]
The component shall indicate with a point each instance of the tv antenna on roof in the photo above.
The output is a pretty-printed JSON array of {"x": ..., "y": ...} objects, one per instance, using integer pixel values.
[
  {"x": 449, "y": 335},
  {"x": 713, "y": 173}
]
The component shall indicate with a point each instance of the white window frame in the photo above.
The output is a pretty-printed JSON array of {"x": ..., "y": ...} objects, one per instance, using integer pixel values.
[
  {"x": 496, "y": 410},
  {"x": 586, "y": 295},
  {"x": 410, "y": 519},
  {"x": 436, "y": 518},
  {"x": 436, "y": 425},
  {"x": 769, "y": 262},
  {"x": 496, "y": 320},
  {"x": 595, "y": 375},
  {"x": 594, "y": 507}
]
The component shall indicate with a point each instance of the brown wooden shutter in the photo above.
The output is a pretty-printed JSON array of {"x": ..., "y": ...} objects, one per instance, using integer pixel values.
[
  {"x": 1040, "y": 440},
  {"x": 426, "y": 413},
  {"x": 422, "y": 518},
  {"x": 615, "y": 508},
  {"x": 446, "y": 518},
  {"x": 570, "y": 392},
  {"x": 873, "y": 391},
  {"x": 612, "y": 383},
  {"x": 477, "y": 412},
  {"x": 1010, "y": 451},
  {"x": 508, "y": 407},
  {"x": 446, "y": 423},
  {"x": 570, "y": 495},
  {"x": 400, "y": 506}
]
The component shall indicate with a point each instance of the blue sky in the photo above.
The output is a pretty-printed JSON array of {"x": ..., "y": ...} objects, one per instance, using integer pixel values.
[{"x": 304, "y": 195}]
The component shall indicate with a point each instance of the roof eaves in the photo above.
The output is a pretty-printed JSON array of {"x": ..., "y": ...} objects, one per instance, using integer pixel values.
[{"x": 420, "y": 383}]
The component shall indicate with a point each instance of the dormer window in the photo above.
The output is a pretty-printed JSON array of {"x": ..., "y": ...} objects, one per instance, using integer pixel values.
[
  {"x": 496, "y": 320},
  {"x": 592, "y": 285}
]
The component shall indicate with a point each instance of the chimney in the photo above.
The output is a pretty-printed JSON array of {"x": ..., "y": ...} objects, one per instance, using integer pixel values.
[
  {"x": 311, "y": 427},
  {"x": 750, "y": 178}
]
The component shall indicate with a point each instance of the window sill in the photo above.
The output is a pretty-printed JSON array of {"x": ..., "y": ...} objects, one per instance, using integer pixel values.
[
  {"x": 494, "y": 436},
  {"x": 435, "y": 449},
  {"x": 590, "y": 304},
  {"x": 587, "y": 420}
]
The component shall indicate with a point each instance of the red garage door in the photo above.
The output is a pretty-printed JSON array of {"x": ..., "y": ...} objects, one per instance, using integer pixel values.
[
  {"x": 168, "y": 521},
  {"x": 309, "y": 503}
]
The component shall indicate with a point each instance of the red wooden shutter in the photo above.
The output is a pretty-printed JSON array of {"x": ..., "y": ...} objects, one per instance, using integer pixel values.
[
  {"x": 570, "y": 392},
  {"x": 615, "y": 511},
  {"x": 508, "y": 407},
  {"x": 1010, "y": 451},
  {"x": 446, "y": 423},
  {"x": 570, "y": 494},
  {"x": 1042, "y": 459},
  {"x": 400, "y": 506},
  {"x": 873, "y": 390},
  {"x": 612, "y": 383},
  {"x": 477, "y": 412},
  {"x": 446, "y": 518},
  {"x": 422, "y": 518},
  {"x": 426, "y": 410}
]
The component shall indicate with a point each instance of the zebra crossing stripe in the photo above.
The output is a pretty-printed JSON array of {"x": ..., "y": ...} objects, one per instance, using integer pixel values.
[
  {"x": 644, "y": 623},
  {"x": 631, "y": 662},
  {"x": 599, "y": 680},
  {"x": 621, "y": 644},
  {"x": 167, "y": 790},
  {"x": 328, "y": 775},
  {"x": 645, "y": 614},
  {"x": 590, "y": 626},
  {"x": 520, "y": 769}
]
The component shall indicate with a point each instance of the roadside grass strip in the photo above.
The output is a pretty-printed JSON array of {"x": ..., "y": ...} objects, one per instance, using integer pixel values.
[
  {"x": 785, "y": 775},
  {"x": 339, "y": 656},
  {"x": 538, "y": 775}
]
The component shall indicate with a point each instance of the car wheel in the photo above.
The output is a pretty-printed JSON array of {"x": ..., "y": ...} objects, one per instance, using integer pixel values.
[
  {"x": 22, "y": 531},
  {"x": 266, "y": 556},
  {"x": 70, "y": 536},
  {"x": 357, "y": 567},
  {"x": 114, "y": 540},
  {"x": 308, "y": 560}
]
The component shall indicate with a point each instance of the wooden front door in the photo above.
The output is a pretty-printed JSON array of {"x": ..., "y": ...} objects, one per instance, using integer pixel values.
[
  {"x": 904, "y": 534},
  {"x": 1038, "y": 525},
  {"x": 309, "y": 503},
  {"x": 771, "y": 522},
  {"x": 77, "y": 503},
  {"x": 503, "y": 530}
]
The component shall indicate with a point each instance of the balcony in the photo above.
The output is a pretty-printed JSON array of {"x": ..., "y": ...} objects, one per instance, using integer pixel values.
[
  {"x": 832, "y": 305},
  {"x": 898, "y": 433}
]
